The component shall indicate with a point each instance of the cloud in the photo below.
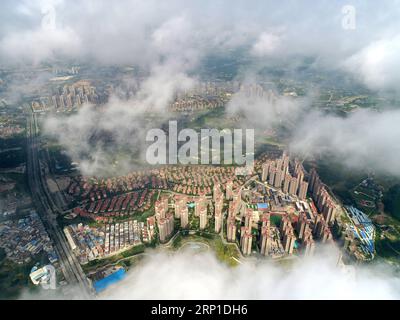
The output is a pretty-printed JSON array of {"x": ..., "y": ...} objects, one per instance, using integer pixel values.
[
  {"x": 185, "y": 275},
  {"x": 365, "y": 139},
  {"x": 170, "y": 44},
  {"x": 38, "y": 45},
  {"x": 164, "y": 81},
  {"x": 120, "y": 34},
  {"x": 20, "y": 87},
  {"x": 375, "y": 64},
  {"x": 148, "y": 33},
  {"x": 111, "y": 139},
  {"x": 201, "y": 276},
  {"x": 264, "y": 108},
  {"x": 132, "y": 32},
  {"x": 98, "y": 139},
  {"x": 42, "y": 42},
  {"x": 266, "y": 44}
]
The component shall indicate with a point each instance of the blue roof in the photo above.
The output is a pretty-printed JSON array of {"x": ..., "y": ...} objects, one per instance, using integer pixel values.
[
  {"x": 262, "y": 205},
  {"x": 102, "y": 284}
]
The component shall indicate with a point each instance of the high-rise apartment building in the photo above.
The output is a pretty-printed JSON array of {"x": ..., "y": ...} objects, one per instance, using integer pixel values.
[
  {"x": 265, "y": 240},
  {"x": 231, "y": 229},
  {"x": 246, "y": 239},
  {"x": 303, "y": 190}
]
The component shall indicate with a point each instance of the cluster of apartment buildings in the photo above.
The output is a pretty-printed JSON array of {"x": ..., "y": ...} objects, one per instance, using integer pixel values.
[
  {"x": 202, "y": 208},
  {"x": 196, "y": 180},
  {"x": 123, "y": 205},
  {"x": 294, "y": 232},
  {"x": 276, "y": 173},
  {"x": 74, "y": 95},
  {"x": 7, "y": 131},
  {"x": 90, "y": 243},
  {"x": 280, "y": 192},
  {"x": 197, "y": 102},
  {"x": 165, "y": 219},
  {"x": 67, "y": 97},
  {"x": 105, "y": 199},
  {"x": 205, "y": 95},
  {"x": 211, "y": 95},
  {"x": 300, "y": 221},
  {"x": 323, "y": 200},
  {"x": 25, "y": 238},
  {"x": 190, "y": 180}
]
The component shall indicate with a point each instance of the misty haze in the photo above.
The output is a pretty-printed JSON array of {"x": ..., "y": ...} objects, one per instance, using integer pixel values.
[{"x": 91, "y": 208}]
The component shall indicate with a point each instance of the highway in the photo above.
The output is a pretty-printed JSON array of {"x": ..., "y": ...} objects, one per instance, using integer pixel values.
[{"x": 48, "y": 212}]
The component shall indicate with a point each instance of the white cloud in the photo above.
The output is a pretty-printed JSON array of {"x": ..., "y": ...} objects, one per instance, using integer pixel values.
[
  {"x": 266, "y": 44},
  {"x": 138, "y": 32},
  {"x": 365, "y": 139},
  {"x": 171, "y": 42},
  {"x": 46, "y": 41},
  {"x": 185, "y": 275},
  {"x": 264, "y": 108},
  {"x": 41, "y": 44},
  {"x": 377, "y": 64},
  {"x": 121, "y": 120},
  {"x": 201, "y": 276}
]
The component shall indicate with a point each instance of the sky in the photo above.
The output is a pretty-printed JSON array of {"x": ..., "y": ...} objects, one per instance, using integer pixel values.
[{"x": 170, "y": 39}]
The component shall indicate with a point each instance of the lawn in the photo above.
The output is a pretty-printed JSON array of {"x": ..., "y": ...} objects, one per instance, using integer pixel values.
[
  {"x": 14, "y": 278},
  {"x": 224, "y": 253},
  {"x": 276, "y": 220},
  {"x": 387, "y": 248},
  {"x": 99, "y": 263},
  {"x": 21, "y": 186},
  {"x": 391, "y": 200}
]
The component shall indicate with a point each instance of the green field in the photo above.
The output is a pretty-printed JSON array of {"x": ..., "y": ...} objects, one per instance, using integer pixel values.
[
  {"x": 388, "y": 249},
  {"x": 276, "y": 220},
  {"x": 224, "y": 253},
  {"x": 21, "y": 186},
  {"x": 339, "y": 178},
  {"x": 392, "y": 201},
  {"x": 100, "y": 263},
  {"x": 12, "y": 158},
  {"x": 14, "y": 278}
]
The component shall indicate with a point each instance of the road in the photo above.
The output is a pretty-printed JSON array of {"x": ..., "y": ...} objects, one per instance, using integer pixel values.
[{"x": 48, "y": 212}]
